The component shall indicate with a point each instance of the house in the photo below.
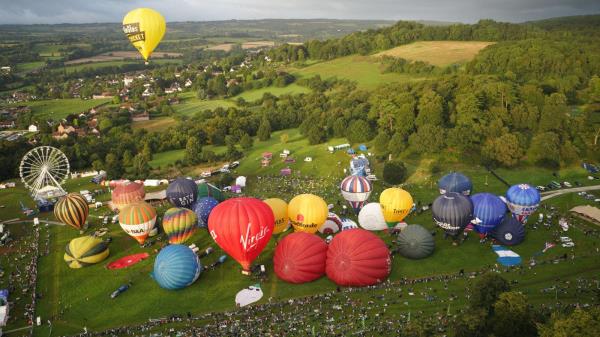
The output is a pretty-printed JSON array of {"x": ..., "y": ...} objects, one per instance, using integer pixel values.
[
  {"x": 231, "y": 82},
  {"x": 20, "y": 96},
  {"x": 144, "y": 116},
  {"x": 175, "y": 87},
  {"x": 147, "y": 93},
  {"x": 63, "y": 132},
  {"x": 188, "y": 83},
  {"x": 103, "y": 95},
  {"x": 7, "y": 125},
  {"x": 5, "y": 69},
  {"x": 33, "y": 128}
]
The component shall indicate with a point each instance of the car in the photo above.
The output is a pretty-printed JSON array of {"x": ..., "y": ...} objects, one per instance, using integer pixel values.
[
  {"x": 540, "y": 188},
  {"x": 371, "y": 177},
  {"x": 555, "y": 184},
  {"x": 565, "y": 239},
  {"x": 568, "y": 244},
  {"x": 205, "y": 174},
  {"x": 597, "y": 200},
  {"x": 550, "y": 187},
  {"x": 226, "y": 166},
  {"x": 224, "y": 170},
  {"x": 567, "y": 184},
  {"x": 234, "y": 164}
]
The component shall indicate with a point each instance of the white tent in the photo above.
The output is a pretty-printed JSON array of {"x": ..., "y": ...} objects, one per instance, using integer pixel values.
[{"x": 240, "y": 181}]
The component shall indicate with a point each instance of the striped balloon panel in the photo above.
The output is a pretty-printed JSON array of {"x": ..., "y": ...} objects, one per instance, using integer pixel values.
[
  {"x": 127, "y": 194},
  {"x": 522, "y": 200},
  {"x": 179, "y": 224},
  {"x": 72, "y": 210},
  {"x": 84, "y": 251},
  {"x": 356, "y": 190},
  {"x": 176, "y": 267},
  {"x": 137, "y": 220}
]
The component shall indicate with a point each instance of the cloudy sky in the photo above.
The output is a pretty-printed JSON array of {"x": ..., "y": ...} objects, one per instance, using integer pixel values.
[{"x": 84, "y": 11}]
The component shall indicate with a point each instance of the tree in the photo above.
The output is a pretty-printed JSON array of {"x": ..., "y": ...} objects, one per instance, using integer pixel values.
[
  {"x": 394, "y": 172},
  {"x": 114, "y": 168},
  {"x": 397, "y": 144},
  {"x": 339, "y": 128},
  {"x": 381, "y": 143},
  {"x": 487, "y": 290},
  {"x": 471, "y": 325},
  {"x": 264, "y": 130},
  {"x": 193, "y": 151},
  {"x": 316, "y": 135},
  {"x": 580, "y": 323},
  {"x": 431, "y": 109},
  {"x": 141, "y": 167},
  {"x": 554, "y": 113},
  {"x": 359, "y": 131},
  {"x": 545, "y": 149},
  {"x": 246, "y": 142},
  {"x": 505, "y": 150},
  {"x": 428, "y": 139},
  {"x": 513, "y": 316},
  {"x": 284, "y": 138}
]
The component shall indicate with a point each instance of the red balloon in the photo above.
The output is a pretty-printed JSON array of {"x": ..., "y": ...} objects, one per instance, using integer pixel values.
[
  {"x": 357, "y": 257},
  {"x": 300, "y": 257},
  {"x": 242, "y": 227}
]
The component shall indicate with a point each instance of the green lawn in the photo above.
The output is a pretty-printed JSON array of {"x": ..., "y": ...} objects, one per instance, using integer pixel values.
[
  {"x": 190, "y": 105},
  {"x": 156, "y": 124},
  {"x": 96, "y": 65},
  {"x": 291, "y": 89},
  {"x": 60, "y": 108},
  {"x": 163, "y": 159},
  {"x": 364, "y": 70},
  {"x": 29, "y": 66}
]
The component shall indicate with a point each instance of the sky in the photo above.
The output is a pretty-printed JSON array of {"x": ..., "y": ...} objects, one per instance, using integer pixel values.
[{"x": 467, "y": 11}]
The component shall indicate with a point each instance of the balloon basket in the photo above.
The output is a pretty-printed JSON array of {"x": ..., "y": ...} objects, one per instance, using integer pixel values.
[{"x": 246, "y": 272}]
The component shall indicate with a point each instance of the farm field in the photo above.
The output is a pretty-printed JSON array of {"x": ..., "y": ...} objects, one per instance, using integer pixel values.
[
  {"x": 96, "y": 65},
  {"x": 438, "y": 53},
  {"x": 155, "y": 124},
  {"x": 190, "y": 105},
  {"x": 364, "y": 70},
  {"x": 256, "y": 94},
  {"x": 29, "y": 66},
  {"x": 121, "y": 55},
  {"x": 61, "y": 108}
]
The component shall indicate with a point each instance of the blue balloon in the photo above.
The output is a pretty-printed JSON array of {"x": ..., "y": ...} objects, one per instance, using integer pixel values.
[
  {"x": 452, "y": 212},
  {"x": 202, "y": 207},
  {"x": 176, "y": 267},
  {"x": 488, "y": 210},
  {"x": 522, "y": 200},
  {"x": 510, "y": 232},
  {"x": 182, "y": 192},
  {"x": 455, "y": 182}
]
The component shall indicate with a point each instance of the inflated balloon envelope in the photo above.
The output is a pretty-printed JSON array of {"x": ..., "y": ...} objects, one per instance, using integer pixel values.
[{"x": 144, "y": 28}]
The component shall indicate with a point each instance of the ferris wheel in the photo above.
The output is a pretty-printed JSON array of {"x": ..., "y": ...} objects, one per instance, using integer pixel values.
[{"x": 43, "y": 170}]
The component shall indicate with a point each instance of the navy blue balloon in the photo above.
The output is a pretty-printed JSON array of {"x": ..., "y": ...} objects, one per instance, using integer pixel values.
[
  {"x": 202, "y": 208},
  {"x": 488, "y": 210},
  {"x": 452, "y": 212},
  {"x": 455, "y": 182},
  {"x": 510, "y": 232},
  {"x": 182, "y": 192},
  {"x": 522, "y": 200},
  {"x": 176, "y": 267}
]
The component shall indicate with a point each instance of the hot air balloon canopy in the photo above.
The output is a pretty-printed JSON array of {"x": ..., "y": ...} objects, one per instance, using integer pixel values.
[
  {"x": 182, "y": 192},
  {"x": 488, "y": 210},
  {"x": 371, "y": 217},
  {"x": 300, "y": 258},
  {"x": 127, "y": 193},
  {"x": 307, "y": 212},
  {"x": 357, "y": 257},
  {"x": 452, "y": 212},
  {"x": 209, "y": 190},
  {"x": 179, "y": 224},
  {"x": 242, "y": 227},
  {"x": 510, "y": 232},
  {"x": 144, "y": 27},
  {"x": 522, "y": 200},
  {"x": 332, "y": 225},
  {"x": 72, "y": 210},
  {"x": 348, "y": 224},
  {"x": 395, "y": 203},
  {"x": 356, "y": 191},
  {"x": 176, "y": 267},
  {"x": 137, "y": 220},
  {"x": 415, "y": 242},
  {"x": 280, "y": 211},
  {"x": 85, "y": 251},
  {"x": 455, "y": 182},
  {"x": 202, "y": 207}
]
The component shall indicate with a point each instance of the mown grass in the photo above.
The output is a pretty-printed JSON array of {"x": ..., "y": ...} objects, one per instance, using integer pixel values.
[
  {"x": 97, "y": 65},
  {"x": 190, "y": 105},
  {"x": 155, "y": 124},
  {"x": 60, "y": 108},
  {"x": 291, "y": 89}
]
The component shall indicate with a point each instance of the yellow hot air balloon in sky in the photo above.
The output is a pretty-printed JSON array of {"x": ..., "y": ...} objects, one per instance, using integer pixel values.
[
  {"x": 307, "y": 212},
  {"x": 144, "y": 28},
  {"x": 280, "y": 211},
  {"x": 395, "y": 203}
]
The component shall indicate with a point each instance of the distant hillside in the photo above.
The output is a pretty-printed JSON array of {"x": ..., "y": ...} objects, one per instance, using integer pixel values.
[{"x": 568, "y": 22}]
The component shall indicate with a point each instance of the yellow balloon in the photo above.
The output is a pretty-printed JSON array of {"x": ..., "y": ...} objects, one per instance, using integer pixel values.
[
  {"x": 395, "y": 204},
  {"x": 307, "y": 212},
  {"x": 280, "y": 211},
  {"x": 145, "y": 28}
]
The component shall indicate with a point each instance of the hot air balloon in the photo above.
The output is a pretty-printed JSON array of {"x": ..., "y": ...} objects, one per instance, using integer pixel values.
[
  {"x": 357, "y": 257},
  {"x": 72, "y": 210},
  {"x": 452, "y": 212},
  {"x": 85, "y": 251},
  {"x": 509, "y": 232},
  {"x": 202, "y": 207},
  {"x": 127, "y": 193},
  {"x": 138, "y": 220},
  {"x": 144, "y": 27},
  {"x": 242, "y": 227},
  {"x": 332, "y": 225},
  {"x": 455, "y": 182},
  {"x": 209, "y": 190},
  {"x": 522, "y": 201},
  {"x": 348, "y": 224},
  {"x": 280, "y": 211},
  {"x": 307, "y": 212},
  {"x": 176, "y": 267},
  {"x": 488, "y": 211},
  {"x": 395, "y": 203},
  {"x": 300, "y": 257},
  {"x": 371, "y": 217},
  {"x": 182, "y": 192},
  {"x": 415, "y": 242},
  {"x": 179, "y": 224},
  {"x": 356, "y": 191}
]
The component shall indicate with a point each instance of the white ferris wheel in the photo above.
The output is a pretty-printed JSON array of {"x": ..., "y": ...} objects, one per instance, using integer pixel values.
[{"x": 43, "y": 170}]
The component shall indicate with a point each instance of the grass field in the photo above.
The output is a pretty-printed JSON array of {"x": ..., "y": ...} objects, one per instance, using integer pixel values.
[
  {"x": 364, "y": 70},
  {"x": 29, "y": 66},
  {"x": 163, "y": 159},
  {"x": 60, "y": 108},
  {"x": 96, "y": 65},
  {"x": 190, "y": 105},
  {"x": 292, "y": 89},
  {"x": 155, "y": 124},
  {"x": 438, "y": 53}
]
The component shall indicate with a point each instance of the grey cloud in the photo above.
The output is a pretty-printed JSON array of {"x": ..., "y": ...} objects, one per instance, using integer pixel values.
[{"x": 78, "y": 11}]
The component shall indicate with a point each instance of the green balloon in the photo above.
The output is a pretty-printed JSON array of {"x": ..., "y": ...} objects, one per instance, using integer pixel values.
[{"x": 415, "y": 242}]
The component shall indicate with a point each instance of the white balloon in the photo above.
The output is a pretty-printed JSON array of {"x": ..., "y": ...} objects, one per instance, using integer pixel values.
[
  {"x": 348, "y": 224},
  {"x": 371, "y": 217}
]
